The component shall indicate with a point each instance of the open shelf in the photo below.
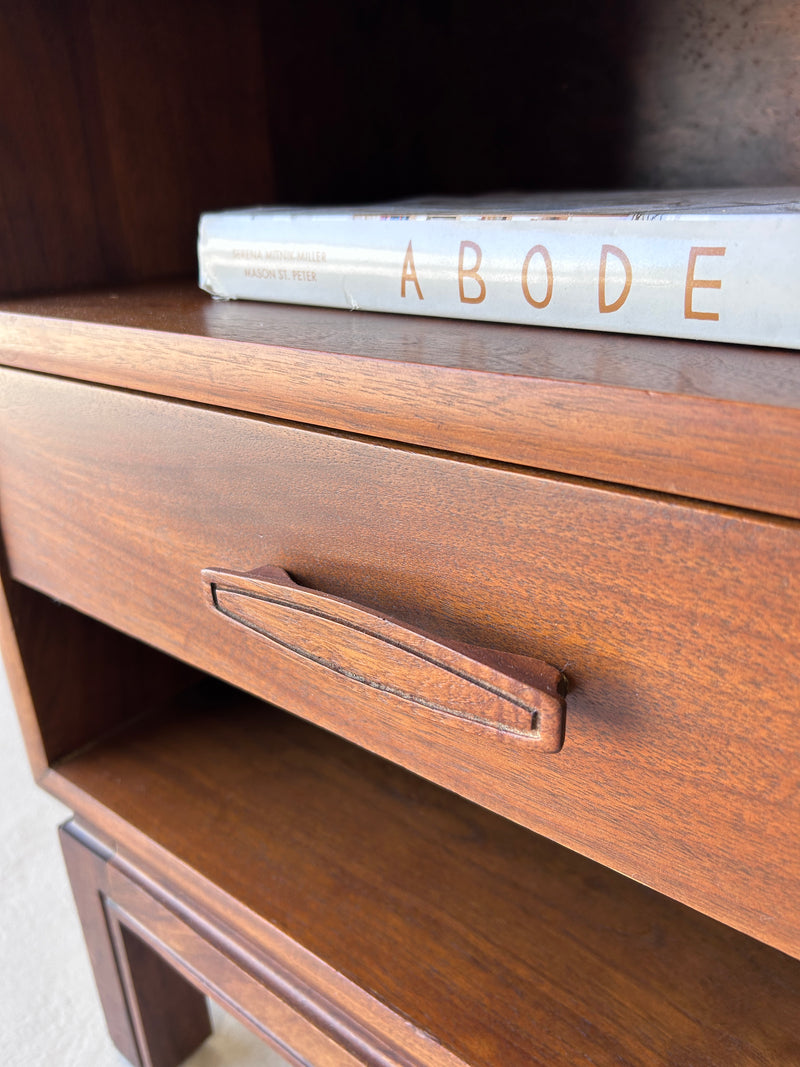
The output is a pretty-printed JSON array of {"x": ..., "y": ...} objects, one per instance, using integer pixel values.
[{"x": 503, "y": 946}]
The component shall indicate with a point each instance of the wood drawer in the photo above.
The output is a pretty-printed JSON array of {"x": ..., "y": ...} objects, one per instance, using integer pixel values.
[{"x": 675, "y": 622}]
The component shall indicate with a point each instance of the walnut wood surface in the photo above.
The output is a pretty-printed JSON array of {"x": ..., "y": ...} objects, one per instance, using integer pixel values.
[
  {"x": 154, "y": 1016},
  {"x": 86, "y": 872},
  {"x": 78, "y": 673},
  {"x": 120, "y": 125},
  {"x": 304, "y": 1008},
  {"x": 518, "y": 695},
  {"x": 716, "y": 422},
  {"x": 244, "y": 990},
  {"x": 169, "y": 1015},
  {"x": 500, "y": 945},
  {"x": 676, "y": 624},
  {"x": 17, "y": 672}
]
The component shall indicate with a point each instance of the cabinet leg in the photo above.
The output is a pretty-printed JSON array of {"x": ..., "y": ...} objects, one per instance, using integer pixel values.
[{"x": 154, "y": 1016}]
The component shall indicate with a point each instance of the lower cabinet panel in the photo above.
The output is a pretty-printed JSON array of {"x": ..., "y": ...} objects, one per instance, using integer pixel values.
[{"x": 354, "y": 913}]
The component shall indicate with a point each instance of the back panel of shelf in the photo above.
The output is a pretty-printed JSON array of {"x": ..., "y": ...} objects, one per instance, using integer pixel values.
[{"x": 123, "y": 125}]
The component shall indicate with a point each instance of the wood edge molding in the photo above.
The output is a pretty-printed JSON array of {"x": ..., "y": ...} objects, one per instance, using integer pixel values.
[
  {"x": 86, "y": 863},
  {"x": 334, "y": 1012},
  {"x": 18, "y": 681},
  {"x": 273, "y": 1002},
  {"x": 131, "y": 910},
  {"x": 682, "y": 444},
  {"x": 155, "y": 1017}
]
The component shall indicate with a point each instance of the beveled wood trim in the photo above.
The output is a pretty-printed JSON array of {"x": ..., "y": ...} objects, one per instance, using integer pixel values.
[
  {"x": 297, "y": 1021},
  {"x": 714, "y": 422},
  {"x": 85, "y": 860},
  {"x": 311, "y": 1014},
  {"x": 154, "y": 1016},
  {"x": 169, "y": 1014}
]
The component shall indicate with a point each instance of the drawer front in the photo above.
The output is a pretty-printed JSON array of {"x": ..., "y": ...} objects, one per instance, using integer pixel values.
[{"x": 675, "y": 623}]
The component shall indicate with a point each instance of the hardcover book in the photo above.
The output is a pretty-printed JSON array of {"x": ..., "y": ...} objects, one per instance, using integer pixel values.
[{"x": 710, "y": 265}]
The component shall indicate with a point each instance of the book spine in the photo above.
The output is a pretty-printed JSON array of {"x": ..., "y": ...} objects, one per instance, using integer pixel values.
[{"x": 733, "y": 278}]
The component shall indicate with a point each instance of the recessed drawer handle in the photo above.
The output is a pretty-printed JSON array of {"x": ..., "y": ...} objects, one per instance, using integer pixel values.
[{"x": 510, "y": 694}]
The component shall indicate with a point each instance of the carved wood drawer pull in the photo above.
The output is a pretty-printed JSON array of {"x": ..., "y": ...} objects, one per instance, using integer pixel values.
[{"x": 512, "y": 694}]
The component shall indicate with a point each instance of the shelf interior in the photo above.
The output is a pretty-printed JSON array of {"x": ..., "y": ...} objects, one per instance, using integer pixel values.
[
  {"x": 144, "y": 118},
  {"x": 504, "y": 946}
]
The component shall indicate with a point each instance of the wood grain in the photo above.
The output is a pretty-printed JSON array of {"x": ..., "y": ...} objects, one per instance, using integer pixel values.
[
  {"x": 120, "y": 124},
  {"x": 78, "y": 673},
  {"x": 169, "y": 1015},
  {"x": 715, "y": 422},
  {"x": 518, "y": 695},
  {"x": 362, "y": 914},
  {"x": 154, "y": 1016},
  {"x": 86, "y": 872},
  {"x": 676, "y": 624},
  {"x": 310, "y": 1013},
  {"x": 497, "y": 944},
  {"x": 249, "y": 992}
]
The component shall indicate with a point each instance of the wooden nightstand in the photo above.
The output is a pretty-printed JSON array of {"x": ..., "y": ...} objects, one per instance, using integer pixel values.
[{"x": 301, "y": 602}]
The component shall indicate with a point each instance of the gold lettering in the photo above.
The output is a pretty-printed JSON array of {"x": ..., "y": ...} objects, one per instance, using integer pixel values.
[
  {"x": 410, "y": 273},
  {"x": 539, "y": 250},
  {"x": 693, "y": 283},
  {"x": 605, "y": 307},
  {"x": 470, "y": 272}
]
